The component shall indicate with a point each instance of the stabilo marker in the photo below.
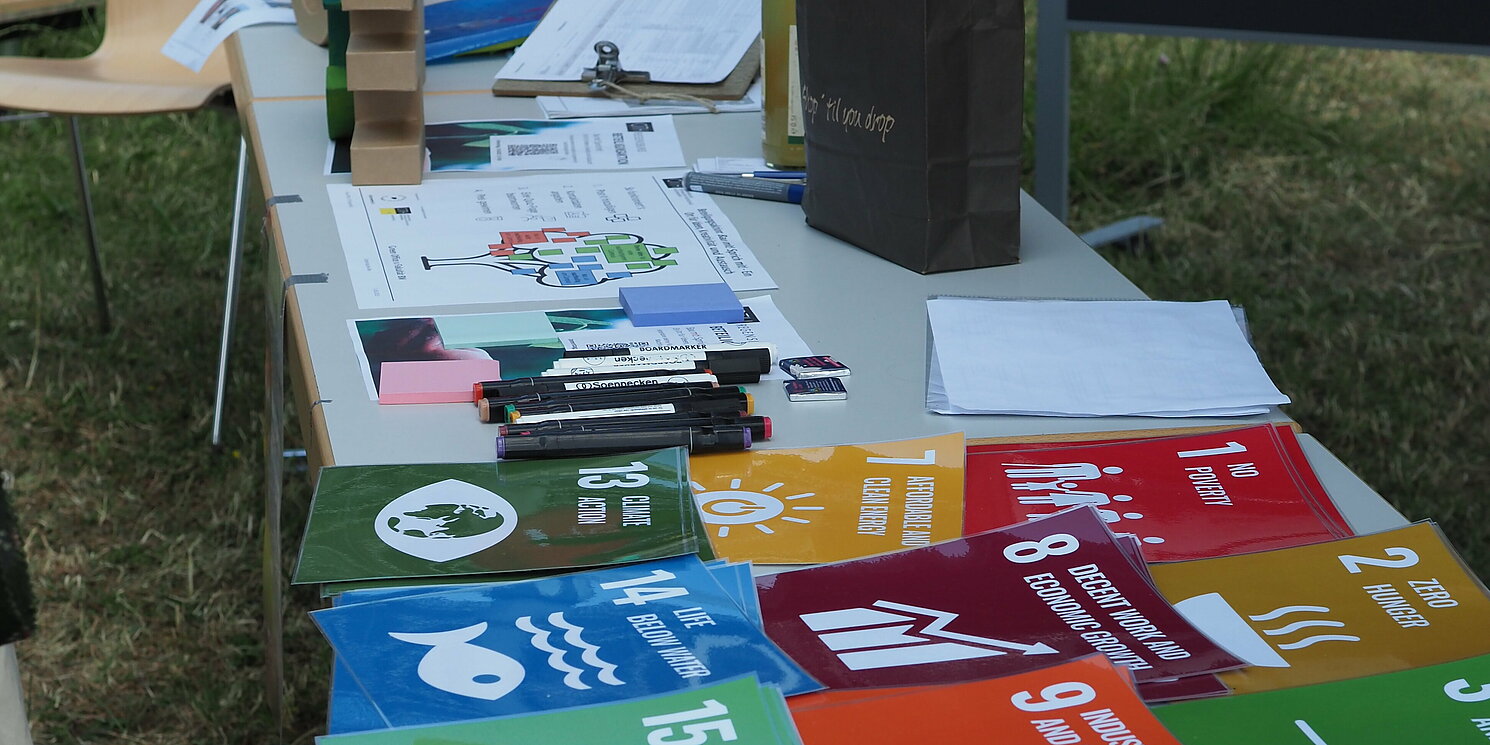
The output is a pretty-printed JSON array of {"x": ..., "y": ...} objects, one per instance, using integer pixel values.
[
  {"x": 562, "y": 395},
  {"x": 760, "y": 426},
  {"x": 758, "y": 348},
  {"x": 760, "y": 356},
  {"x": 670, "y": 364},
  {"x": 717, "y": 406},
  {"x": 722, "y": 404},
  {"x": 520, "y": 386},
  {"x": 602, "y": 443},
  {"x": 498, "y": 409},
  {"x": 731, "y": 370}
]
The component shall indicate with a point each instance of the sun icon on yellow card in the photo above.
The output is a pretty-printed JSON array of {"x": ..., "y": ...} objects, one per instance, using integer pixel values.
[{"x": 733, "y": 506}]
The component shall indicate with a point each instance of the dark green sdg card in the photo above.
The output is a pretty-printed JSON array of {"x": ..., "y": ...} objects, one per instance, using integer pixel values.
[
  {"x": 381, "y": 522},
  {"x": 1447, "y": 704}
]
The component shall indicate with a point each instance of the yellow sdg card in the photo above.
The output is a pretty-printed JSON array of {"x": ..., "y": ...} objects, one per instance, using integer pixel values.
[
  {"x": 814, "y": 505},
  {"x": 1342, "y": 609}
]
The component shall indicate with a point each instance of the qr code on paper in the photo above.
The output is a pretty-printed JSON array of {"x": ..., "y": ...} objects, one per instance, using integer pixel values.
[{"x": 528, "y": 149}]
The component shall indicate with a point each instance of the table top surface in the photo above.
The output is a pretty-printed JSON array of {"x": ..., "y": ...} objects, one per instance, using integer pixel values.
[{"x": 861, "y": 309}]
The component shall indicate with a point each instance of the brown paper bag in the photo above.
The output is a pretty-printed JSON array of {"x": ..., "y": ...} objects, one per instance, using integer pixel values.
[{"x": 913, "y": 115}]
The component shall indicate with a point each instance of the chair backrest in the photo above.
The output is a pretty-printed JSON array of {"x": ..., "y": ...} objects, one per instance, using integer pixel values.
[
  {"x": 144, "y": 21},
  {"x": 135, "y": 31}
]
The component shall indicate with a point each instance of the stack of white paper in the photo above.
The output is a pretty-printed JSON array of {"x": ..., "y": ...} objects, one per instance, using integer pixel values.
[
  {"x": 572, "y": 107},
  {"x": 1093, "y": 358},
  {"x": 677, "y": 41}
]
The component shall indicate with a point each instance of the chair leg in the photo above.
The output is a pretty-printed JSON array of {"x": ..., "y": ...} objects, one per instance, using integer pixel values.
[
  {"x": 100, "y": 291},
  {"x": 230, "y": 300}
]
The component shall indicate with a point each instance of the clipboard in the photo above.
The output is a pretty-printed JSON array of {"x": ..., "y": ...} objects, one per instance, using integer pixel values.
[{"x": 732, "y": 88}]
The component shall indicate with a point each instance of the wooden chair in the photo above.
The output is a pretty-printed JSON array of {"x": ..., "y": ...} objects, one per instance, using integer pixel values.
[{"x": 127, "y": 74}]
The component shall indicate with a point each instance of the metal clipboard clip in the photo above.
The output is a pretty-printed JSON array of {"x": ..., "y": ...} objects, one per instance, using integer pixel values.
[{"x": 608, "y": 69}]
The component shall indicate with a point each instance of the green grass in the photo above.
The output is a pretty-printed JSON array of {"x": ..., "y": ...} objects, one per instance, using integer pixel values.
[{"x": 1342, "y": 197}]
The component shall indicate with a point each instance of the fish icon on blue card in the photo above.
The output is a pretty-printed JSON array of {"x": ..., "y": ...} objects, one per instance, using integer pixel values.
[
  {"x": 455, "y": 665},
  {"x": 584, "y": 638}
]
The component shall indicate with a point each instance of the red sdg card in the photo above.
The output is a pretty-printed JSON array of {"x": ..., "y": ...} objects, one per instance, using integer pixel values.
[
  {"x": 1082, "y": 701},
  {"x": 1185, "y": 497},
  {"x": 1000, "y": 602}
]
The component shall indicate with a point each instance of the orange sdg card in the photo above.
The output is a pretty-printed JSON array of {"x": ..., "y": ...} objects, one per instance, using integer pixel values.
[
  {"x": 1082, "y": 701},
  {"x": 1360, "y": 606},
  {"x": 814, "y": 505}
]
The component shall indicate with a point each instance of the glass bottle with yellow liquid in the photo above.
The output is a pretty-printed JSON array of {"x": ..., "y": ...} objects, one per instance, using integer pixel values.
[{"x": 782, "y": 136}]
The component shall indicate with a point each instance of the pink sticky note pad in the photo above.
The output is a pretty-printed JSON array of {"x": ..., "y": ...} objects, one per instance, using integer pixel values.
[{"x": 434, "y": 381}]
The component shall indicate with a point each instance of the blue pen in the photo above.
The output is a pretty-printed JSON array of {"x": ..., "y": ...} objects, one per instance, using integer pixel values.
[
  {"x": 740, "y": 186},
  {"x": 775, "y": 174}
]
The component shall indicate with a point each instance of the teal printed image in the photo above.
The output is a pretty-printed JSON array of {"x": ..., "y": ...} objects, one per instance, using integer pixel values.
[
  {"x": 466, "y": 146},
  {"x": 456, "y": 146}
]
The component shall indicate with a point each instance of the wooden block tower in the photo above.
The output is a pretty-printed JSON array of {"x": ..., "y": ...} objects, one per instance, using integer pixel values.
[{"x": 385, "y": 74}]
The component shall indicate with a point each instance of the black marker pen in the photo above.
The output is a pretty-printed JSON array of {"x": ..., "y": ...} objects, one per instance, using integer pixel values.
[{"x": 701, "y": 440}]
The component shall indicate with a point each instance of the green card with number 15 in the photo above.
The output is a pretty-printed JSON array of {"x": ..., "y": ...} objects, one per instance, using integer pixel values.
[{"x": 739, "y": 711}]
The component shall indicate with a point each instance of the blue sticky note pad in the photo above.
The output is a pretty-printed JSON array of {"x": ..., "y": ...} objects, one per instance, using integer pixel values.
[
  {"x": 681, "y": 305},
  {"x": 583, "y": 638},
  {"x": 496, "y": 330}
]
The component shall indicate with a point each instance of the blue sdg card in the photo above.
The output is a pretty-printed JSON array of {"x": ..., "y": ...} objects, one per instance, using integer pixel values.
[
  {"x": 583, "y": 638},
  {"x": 349, "y": 709}
]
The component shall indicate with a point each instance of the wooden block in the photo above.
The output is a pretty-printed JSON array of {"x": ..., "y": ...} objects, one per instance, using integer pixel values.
[
  {"x": 388, "y": 152},
  {"x": 404, "y": 5},
  {"x": 310, "y": 19},
  {"x": 385, "y": 62},
  {"x": 387, "y": 22},
  {"x": 388, "y": 105}
]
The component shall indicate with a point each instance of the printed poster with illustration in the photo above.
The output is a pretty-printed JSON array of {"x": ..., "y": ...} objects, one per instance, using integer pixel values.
[
  {"x": 1184, "y": 497},
  {"x": 1087, "y": 700},
  {"x": 582, "y": 638},
  {"x": 1446, "y": 704},
  {"x": 814, "y": 505},
  {"x": 1360, "y": 606},
  {"x": 739, "y": 709},
  {"x": 996, "y": 603},
  {"x": 548, "y": 238},
  {"x": 375, "y": 522}
]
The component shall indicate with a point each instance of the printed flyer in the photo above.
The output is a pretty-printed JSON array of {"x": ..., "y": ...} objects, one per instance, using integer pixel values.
[
  {"x": 996, "y": 603},
  {"x": 634, "y": 142},
  {"x": 814, "y": 505},
  {"x": 549, "y": 238},
  {"x": 1087, "y": 700},
  {"x": 1446, "y": 704},
  {"x": 527, "y": 343},
  {"x": 1360, "y": 606},
  {"x": 1184, "y": 497},
  {"x": 372, "y": 522},
  {"x": 584, "y": 638}
]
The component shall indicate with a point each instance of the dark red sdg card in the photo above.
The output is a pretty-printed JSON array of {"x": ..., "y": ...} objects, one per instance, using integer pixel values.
[
  {"x": 1182, "y": 689},
  {"x": 1186, "y": 497},
  {"x": 1001, "y": 602}
]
